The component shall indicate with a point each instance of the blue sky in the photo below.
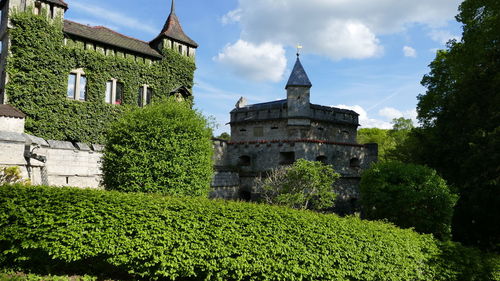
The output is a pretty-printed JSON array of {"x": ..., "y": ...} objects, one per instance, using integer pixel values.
[{"x": 366, "y": 55}]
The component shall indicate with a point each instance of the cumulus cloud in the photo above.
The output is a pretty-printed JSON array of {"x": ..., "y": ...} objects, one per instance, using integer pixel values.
[
  {"x": 442, "y": 36},
  {"x": 364, "y": 120},
  {"x": 391, "y": 113},
  {"x": 257, "y": 62},
  {"x": 337, "y": 29},
  {"x": 409, "y": 52}
]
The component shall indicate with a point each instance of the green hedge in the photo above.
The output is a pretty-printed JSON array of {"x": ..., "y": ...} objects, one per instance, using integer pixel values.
[{"x": 134, "y": 236}]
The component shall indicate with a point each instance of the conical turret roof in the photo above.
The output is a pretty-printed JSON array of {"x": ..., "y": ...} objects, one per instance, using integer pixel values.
[
  {"x": 298, "y": 77},
  {"x": 173, "y": 29}
]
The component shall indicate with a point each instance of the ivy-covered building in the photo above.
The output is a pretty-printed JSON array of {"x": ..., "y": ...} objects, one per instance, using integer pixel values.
[{"x": 71, "y": 79}]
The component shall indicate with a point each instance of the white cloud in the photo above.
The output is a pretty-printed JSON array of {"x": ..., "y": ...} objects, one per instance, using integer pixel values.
[
  {"x": 257, "y": 62},
  {"x": 337, "y": 29},
  {"x": 409, "y": 52},
  {"x": 391, "y": 113},
  {"x": 231, "y": 17},
  {"x": 442, "y": 36},
  {"x": 364, "y": 120},
  {"x": 118, "y": 19}
]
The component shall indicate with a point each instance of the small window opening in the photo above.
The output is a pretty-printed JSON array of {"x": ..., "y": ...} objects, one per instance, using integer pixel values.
[
  {"x": 287, "y": 158},
  {"x": 38, "y": 8},
  {"x": 119, "y": 93},
  {"x": 243, "y": 130},
  {"x": 245, "y": 195},
  {"x": 67, "y": 180},
  {"x": 52, "y": 12},
  {"x": 321, "y": 159},
  {"x": 321, "y": 129},
  {"x": 180, "y": 49},
  {"x": 274, "y": 128},
  {"x": 244, "y": 160},
  {"x": 354, "y": 163}
]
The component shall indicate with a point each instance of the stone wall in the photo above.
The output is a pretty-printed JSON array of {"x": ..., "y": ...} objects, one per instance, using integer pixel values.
[{"x": 51, "y": 162}]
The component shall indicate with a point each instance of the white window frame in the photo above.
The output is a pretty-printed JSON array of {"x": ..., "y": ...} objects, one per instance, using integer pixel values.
[
  {"x": 144, "y": 94},
  {"x": 77, "y": 91},
  {"x": 114, "y": 83}
]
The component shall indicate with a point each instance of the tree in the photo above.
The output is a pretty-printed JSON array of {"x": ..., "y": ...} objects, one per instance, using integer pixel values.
[
  {"x": 379, "y": 136},
  {"x": 162, "y": 148},
  {"x": 408, "y": 195},
  {"x": 224, "y": 136},
  {"x": 399, "y": 134},
  {"x": 303, "y": 185},
  {"x": 459, "y": 112}
]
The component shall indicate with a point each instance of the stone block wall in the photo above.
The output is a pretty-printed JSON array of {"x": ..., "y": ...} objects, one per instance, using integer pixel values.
[{"x": 51, "y": 162}]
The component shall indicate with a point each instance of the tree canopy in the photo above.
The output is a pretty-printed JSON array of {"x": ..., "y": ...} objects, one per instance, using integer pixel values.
[{"x": 460, "y": 115}]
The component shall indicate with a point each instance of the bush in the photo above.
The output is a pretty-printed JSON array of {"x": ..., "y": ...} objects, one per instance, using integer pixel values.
[
  {"x": 409, "y": 196},
  {"x": 304, "y": 185},
  {"x": 12, "y": 175},
  {"x": 164, "y": 148},
  {"x": 140, "y": 236}
]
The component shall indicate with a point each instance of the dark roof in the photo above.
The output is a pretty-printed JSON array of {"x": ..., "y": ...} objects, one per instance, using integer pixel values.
[
  {"x": 173, "y": 29},
  {"x": 56, "y": 2},
  {"x": 262, "y": 106},
  {"x": 298, "y": 77},
  {"x": 107, "y": 36},
  {"x": 7, "y": 110}
]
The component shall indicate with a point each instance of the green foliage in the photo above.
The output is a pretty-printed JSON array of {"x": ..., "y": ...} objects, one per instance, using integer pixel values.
[
  {"x": 38, "y": 70},
  {"x": 461, "y": 122},
  {"x": 20, "y": 276},
  {"x": 164, "y": 147},
  {"x": 224, "y": 136},
  {"x": 12, "y": 175},
  {"x": 140, "y": 236},
  {"x": 408, "y": 195},
  {"x": 303, "y": 185},
  {"x": 391, "y": 142}
]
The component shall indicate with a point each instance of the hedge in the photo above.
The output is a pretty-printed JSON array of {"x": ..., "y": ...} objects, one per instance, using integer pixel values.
[{"x": 140, "y": 236}]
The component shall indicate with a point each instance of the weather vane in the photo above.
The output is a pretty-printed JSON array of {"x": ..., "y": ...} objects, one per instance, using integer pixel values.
[{"x": 298, "y": 49}]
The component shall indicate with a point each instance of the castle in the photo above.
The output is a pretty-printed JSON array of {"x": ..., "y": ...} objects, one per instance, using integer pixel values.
[
  {"x": 267, "y": 135},
  {"x": 94, "y": 71}
]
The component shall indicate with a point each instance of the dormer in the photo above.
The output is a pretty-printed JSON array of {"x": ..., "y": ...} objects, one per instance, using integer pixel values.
[{"x": 173, "y": 37}]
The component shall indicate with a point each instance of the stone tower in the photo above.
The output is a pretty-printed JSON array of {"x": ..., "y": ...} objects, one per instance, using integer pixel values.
[
  {"x": 54, "y": 9},
  {"x": 298, "y": 91},
  {"x": 173, "y": 37}
]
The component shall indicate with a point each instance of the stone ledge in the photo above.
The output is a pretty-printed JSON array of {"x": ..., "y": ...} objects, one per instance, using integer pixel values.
[
  {"x": 82, "y": 146},
  {"x": 61, "y": 145},
  {"x": 11, "y": 137},
  {"x": 35, "y": 140}
]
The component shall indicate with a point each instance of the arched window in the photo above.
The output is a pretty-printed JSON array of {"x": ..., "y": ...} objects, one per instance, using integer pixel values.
[
  {"x": 245, "y": 160},
  {"x": 355, "y": 163},
  {"x": 322, "y": 159}
]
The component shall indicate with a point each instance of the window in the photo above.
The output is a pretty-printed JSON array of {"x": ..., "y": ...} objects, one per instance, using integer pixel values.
[
  {"x": 354, "y": 163},
  {"x": 180, "y": 49},
  {"x": 321, "y": 159},
  {"x": 77, "y": 85},
  {"x": 38, "y": 8},
  {"x": 287, "y": 158},
  {"x": 144, "y": 96},
  {"x": 114, "y": 92},
  {"x": 52, "y": 12},
  {"x": 244, "y": 160}
]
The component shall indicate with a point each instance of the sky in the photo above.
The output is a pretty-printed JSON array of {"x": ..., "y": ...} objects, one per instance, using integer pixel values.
[{"x": 364, "y": 55}]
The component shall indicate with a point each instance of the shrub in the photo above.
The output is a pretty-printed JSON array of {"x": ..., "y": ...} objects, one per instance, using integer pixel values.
[
  {"x": 133, "y": 236},
  {"x": 303, "y": 185},
  {"x": 408, "y": 195},
  {"x": 164, "y": 148},
  {"x": 12, "y": 175}
]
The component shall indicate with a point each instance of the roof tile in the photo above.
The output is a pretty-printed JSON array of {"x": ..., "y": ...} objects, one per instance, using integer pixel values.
[{"x": 7, "y": 110}]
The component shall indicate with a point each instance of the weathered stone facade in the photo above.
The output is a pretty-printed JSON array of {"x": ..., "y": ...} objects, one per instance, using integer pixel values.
[{"x": 267, "y": 135}]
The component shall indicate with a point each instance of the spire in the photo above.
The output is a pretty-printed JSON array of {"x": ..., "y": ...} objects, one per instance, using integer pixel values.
[
  {"x": 173, "y": 29},
  {"x": 298, "y": 77}
]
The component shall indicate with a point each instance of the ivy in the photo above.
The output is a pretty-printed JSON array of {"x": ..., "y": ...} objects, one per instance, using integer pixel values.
[{"x": 38, "y": 69}]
